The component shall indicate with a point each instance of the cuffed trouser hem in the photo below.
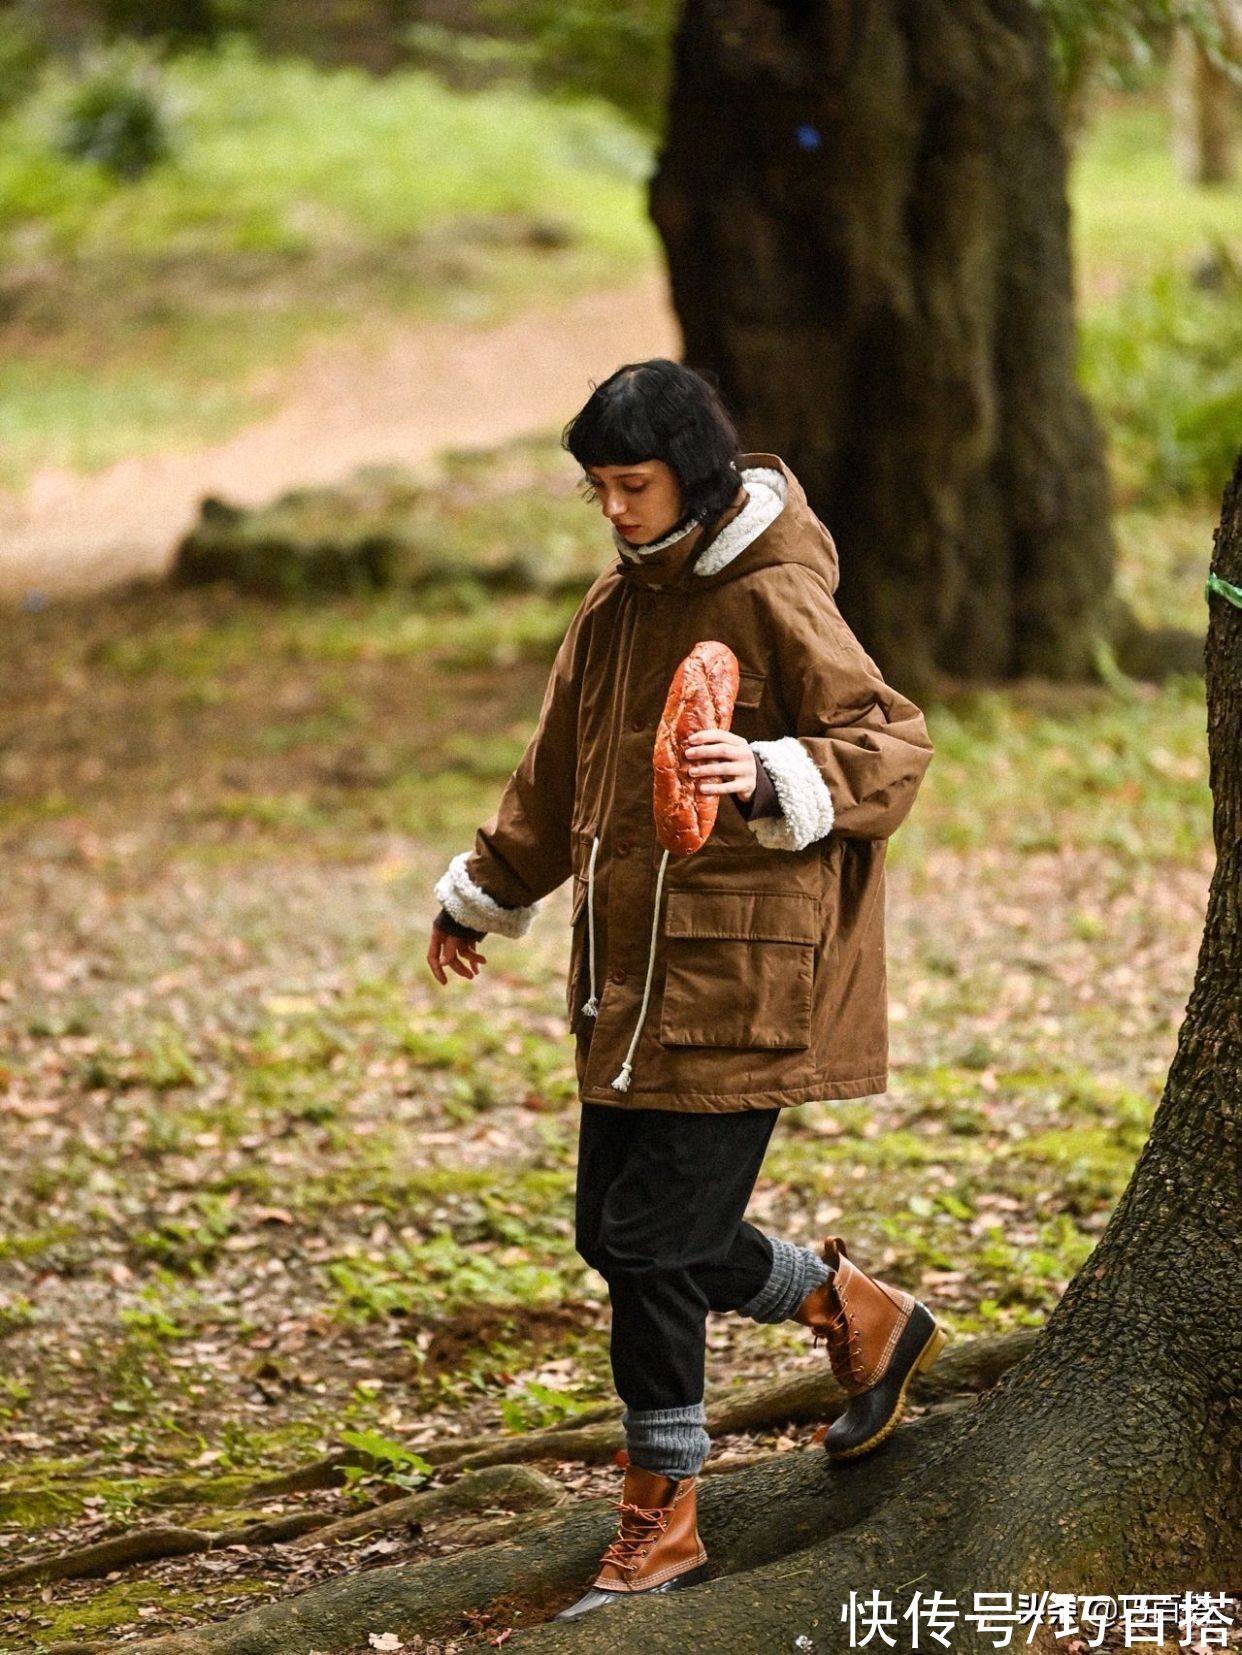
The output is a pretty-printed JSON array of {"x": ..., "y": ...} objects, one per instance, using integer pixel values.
[
  {"x": 795, "y": 1271},
  {"x": 671, "y": 1442}
]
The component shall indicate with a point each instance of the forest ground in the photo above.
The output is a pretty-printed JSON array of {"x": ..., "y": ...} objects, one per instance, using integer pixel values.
[{"x": 266, "y": 1181}]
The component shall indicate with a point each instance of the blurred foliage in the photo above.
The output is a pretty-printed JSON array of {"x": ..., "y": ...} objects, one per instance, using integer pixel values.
[
  {"x": 618, "y": 52},
  {"x": 116, "y": 113},
  {"x": 1133, "y": 214},
  {"x": 178, "y": 20},
  {"x": 1120, "y": 42},
  {"x": 298, "y": 200},
  {"x": 22, "y": 51},
  {"x": 278, "y": 156},
  {"x": 1164, "y": 367}
]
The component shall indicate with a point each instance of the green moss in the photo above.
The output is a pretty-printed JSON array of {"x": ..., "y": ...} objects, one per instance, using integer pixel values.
[
  {"x": 115, "y": 1607},
  {"x": 32, "y": 1508},
  {"x": 37, "y": 1242}
]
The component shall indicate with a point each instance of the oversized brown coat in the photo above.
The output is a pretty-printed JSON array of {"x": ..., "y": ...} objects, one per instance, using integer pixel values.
[{"x": 750, "y": 974}]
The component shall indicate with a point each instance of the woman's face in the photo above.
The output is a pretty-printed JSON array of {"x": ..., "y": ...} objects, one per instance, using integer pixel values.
[{"x": 641, "y": 501}]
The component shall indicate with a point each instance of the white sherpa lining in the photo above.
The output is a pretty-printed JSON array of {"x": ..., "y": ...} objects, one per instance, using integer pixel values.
[
  {"x": 806, "y": 804},
  {"x": 470, "y": 904},
  {"x": 766, "y": 489},
  {"x": 637, "y": 554}
]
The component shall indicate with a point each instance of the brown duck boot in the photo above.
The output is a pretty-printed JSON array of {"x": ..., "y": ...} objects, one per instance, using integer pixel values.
[
  {"x": 657, "y": 1547},
  {"x": 878, "y": 1337}
]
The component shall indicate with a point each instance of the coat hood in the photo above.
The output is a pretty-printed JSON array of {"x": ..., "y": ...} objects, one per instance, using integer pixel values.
[{"x": 775, "y": 525}]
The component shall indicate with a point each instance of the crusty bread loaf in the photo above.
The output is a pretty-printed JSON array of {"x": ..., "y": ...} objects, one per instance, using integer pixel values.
[{"x": 700, "y": 697}]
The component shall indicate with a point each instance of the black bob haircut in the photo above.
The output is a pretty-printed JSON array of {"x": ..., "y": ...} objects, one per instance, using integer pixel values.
[{"x": 661, "y": 410}]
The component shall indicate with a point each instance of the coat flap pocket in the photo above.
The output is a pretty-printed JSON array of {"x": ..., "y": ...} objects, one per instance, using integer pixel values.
[
  {"x": 750, "y": 688},
  {"x": 772, "y": 916}
]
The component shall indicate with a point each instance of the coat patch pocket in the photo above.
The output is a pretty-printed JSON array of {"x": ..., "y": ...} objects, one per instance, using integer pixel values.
[{"x": 741, "y": 967}]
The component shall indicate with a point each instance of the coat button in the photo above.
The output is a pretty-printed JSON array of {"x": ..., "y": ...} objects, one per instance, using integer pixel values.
[
  {"x": 617, "y": 976},
  {"x": 623, "y": 847},
  {"x": 636, "y": 724}
]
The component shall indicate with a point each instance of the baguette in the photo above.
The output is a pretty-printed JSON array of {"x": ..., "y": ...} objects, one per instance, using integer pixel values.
[{"x": 700, "y": 697}]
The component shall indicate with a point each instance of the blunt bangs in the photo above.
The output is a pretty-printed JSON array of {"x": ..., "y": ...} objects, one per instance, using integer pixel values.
[{"x": 661, "y": 410}]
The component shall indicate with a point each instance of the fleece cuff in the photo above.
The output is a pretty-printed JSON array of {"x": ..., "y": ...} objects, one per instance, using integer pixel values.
[
  {"x": 806, "y": 804},
  {"x": 470, "y": 904},
  {"x": 795, "y": 1271},
  {"x": 672, "y": 1442}
]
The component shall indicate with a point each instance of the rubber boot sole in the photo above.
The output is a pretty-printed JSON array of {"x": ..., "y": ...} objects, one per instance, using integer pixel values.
[
  {"x": 598, "y": 1598},
  {"x": 927, "y": 1349}
]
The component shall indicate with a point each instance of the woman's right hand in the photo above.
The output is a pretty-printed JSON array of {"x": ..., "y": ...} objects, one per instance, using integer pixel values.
[{"x": 457, "y": 953}]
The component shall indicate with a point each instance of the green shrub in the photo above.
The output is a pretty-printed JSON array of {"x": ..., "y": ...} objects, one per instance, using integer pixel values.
[
  {"x": 1164, "y": 366},
  {"x": 116, "y": 116},
  {"x": 21, "y": 54}
]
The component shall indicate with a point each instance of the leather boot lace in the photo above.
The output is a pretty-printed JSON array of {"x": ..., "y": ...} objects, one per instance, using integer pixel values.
[
  {"x": 840, "y": 1333},
  {"x": 641, "y": 1527}
]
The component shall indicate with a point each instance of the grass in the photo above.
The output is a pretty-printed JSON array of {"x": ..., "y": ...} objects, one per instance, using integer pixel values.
[
  {"x": 1125, "y": 776},
  {"x": 299, "y": 201},
  {"x": 302, "y": 202},
  {"x": 1132, "y": 214},
  {"x": 1068, "y": 770}
]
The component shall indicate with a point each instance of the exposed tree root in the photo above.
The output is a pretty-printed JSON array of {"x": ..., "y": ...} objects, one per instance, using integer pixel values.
[
  {"x": 516, "y": 1487},
  {"x": 974, "y": 1365},
  {"x": 752, "y": 1516},
  {"x": 149, "y": 1545}
]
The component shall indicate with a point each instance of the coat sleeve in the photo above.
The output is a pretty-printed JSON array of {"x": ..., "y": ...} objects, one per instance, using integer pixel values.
[
  {"x": 857, "y": 749},
  {"x": 523, "y": 851},
  {"x": 763, "y": 801}
]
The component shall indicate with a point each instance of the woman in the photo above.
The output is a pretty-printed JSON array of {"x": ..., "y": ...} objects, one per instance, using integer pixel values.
[{"x": 707, "y": 991}]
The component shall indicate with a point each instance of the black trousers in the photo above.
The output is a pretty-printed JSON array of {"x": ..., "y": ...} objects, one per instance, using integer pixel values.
[{"x": 659, "y": 1214}]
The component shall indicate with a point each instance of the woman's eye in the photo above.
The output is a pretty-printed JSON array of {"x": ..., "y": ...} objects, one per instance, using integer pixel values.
[{"x": 635, "y": 488}]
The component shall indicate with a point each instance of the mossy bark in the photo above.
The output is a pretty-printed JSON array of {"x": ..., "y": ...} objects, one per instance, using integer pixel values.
[{"x": 865, "y": 216}]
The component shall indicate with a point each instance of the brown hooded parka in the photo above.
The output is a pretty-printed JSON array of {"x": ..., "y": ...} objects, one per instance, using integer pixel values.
[{"x": 750, "y": 974}]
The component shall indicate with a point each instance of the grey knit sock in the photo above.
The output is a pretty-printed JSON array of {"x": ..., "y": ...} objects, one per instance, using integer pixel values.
[
  {"x": 795, "y": 1271},
  {"x": 669, "y": 1441}
]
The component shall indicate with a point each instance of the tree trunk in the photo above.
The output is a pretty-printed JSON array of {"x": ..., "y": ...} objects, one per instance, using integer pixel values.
[
  {"x": 1106, "y": 1461},
  {"x": 1203, "y": 100},
  {"x": 864, "y": 212}
]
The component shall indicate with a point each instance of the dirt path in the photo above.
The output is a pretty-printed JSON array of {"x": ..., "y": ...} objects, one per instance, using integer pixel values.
[{"x": 431, "y": 387}]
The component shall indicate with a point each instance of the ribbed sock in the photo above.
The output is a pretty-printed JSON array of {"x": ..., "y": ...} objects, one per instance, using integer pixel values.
[
  {"x": 795, "y": 1271},
  {"x": 671, "y": 1442}
]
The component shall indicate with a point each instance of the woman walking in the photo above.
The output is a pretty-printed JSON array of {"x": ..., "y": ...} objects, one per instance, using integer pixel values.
[{"x": 706, "y": 991}]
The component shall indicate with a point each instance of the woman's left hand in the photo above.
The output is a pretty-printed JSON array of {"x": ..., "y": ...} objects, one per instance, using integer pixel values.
[{"x": 720, "y": 753}]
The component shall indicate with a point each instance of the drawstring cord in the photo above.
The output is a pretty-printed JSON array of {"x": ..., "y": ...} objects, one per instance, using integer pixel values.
[
  {"x": 590, "y": 1006},
  {"x": 622, "y": 1081}
]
